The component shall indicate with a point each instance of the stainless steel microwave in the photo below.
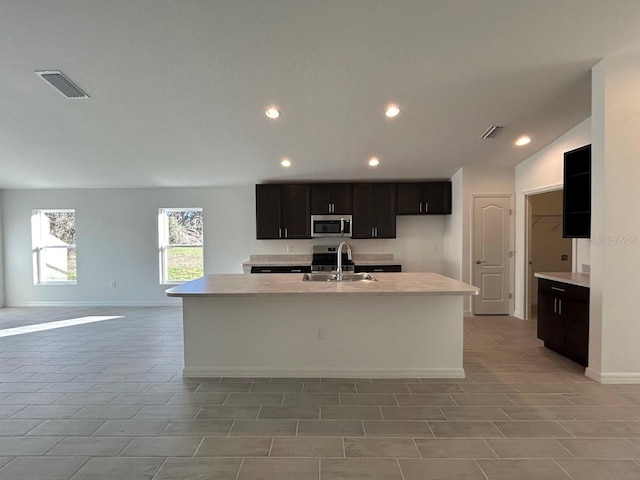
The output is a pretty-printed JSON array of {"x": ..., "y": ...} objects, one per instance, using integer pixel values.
[{"x": 331, "y": 226}]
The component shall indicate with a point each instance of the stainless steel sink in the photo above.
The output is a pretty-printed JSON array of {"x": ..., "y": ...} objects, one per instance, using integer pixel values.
[{"x": 333, "y": 277}]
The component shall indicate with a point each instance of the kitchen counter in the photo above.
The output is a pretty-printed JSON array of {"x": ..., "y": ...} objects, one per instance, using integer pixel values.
[
  {"x": 403, "y": 325},
  {"x": 300, "y": 260},
  {"x": 291, "y": 284},
  {"x": 571, "y": 278}
]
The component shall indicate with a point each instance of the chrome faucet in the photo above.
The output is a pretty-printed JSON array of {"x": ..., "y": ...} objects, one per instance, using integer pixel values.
[{"x": 339, "y": 270}]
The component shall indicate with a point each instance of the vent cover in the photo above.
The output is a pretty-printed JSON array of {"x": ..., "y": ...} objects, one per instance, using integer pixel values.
[
  {"x": 61, "y": 83},
  {"x": 491, "y": 132}
]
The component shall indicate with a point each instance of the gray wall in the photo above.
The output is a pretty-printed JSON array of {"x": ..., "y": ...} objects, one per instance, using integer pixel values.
[
  {"x": 117, "y": 240},
  {"x": 1, "y": 257}
]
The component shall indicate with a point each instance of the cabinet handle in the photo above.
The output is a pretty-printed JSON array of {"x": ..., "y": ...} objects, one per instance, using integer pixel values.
[
  {"x": 280, "y": 232},
  {"x": 555, "y": 305},
  {"x": 286, "y": 233},
  {"x": 372, "y": 234},
  {"x": 378, "y": 270},
  {"x": 560, "y": 306},
  {"x": 333, "y": 208},
  {"x": 426, "y": 207},
  {"x": 296, "y": 270},
  {"x": 265, "y": 270},
  {"x": 557, "y": 289},
  {"x": 420, "y": 207}
]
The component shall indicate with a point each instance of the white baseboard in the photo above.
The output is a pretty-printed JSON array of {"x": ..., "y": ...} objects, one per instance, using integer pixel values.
[
  {"x": 116, "y": 303},
  {"x": 324, "y": 373},
  {"x": 467, "y": 313},
  {"x": 623, "y": 377}
]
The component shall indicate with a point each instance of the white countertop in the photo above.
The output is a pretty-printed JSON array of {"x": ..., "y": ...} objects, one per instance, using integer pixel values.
[
  {"x": 571, "y": 278},
  {"x": 288, "y": 284}
]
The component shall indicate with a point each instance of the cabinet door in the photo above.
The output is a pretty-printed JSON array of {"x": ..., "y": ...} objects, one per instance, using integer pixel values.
[
  {"x": 577, "y": 193},
  {"x": 437, "y": 198},
  {"x": 267, "y": 211},
  {"x": 384, "y": 209},
  {"x": 320, "y": 199},
  {"x": 296, "y": 219},
  {"x": 576, "y": 319},
  {"x": 556, "y": 328},
  {"x": 340, "y": 197},
  {"x": 362, "y": 210},
  {"x": 410, "y": 198},
  {"x": 545, "y": 314}
]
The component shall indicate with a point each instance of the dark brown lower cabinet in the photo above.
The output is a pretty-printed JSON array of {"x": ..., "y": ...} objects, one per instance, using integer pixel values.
[
  {"x": 378, "y": 268},
  {"x": 563, "y": 319}
]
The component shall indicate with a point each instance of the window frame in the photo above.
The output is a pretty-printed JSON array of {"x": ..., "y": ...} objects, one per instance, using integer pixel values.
[
  {"x": 37, "y": 246},
  {"x": 164, "y": 246}
]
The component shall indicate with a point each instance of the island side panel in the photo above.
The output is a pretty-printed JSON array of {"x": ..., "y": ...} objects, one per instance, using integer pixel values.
[{"x": 362, "y": 336}]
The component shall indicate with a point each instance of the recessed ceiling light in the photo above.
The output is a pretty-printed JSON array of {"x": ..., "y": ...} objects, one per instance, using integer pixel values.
[
  {"x": 392, "y": 110},
  {"x": 522, "y": 141},
  {"x": 285, "y": 162},
  {"x": 272, "y": 112},
  {"x": 374, "y": 162}
]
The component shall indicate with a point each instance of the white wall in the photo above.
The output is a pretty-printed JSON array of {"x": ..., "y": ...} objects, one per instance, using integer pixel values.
[
  {"x": 117, "y": 240},
  {"x": 479, "y": 180},
  {"x": 452, "y": 248},
  {"x": 542, "y": 172},
  {"x": 1, "y": 257},
  {"x": 615, "y": 221}
]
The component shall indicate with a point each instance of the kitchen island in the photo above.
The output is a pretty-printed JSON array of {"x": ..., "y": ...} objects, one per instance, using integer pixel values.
[{"x": 402, "y": 325}]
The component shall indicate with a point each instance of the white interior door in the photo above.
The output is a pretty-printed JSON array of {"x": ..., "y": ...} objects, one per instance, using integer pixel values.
[{"x": 491, "y": 261}]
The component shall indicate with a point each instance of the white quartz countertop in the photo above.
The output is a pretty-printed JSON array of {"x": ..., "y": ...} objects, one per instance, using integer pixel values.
[
  {"x": 287, "y": 284},
  {"x": 572, "y": 278}
]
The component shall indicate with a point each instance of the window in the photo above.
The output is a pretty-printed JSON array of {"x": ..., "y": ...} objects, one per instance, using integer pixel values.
[
  {"x": 181, "y": 244},
  {"x": 53, "y": 239}
]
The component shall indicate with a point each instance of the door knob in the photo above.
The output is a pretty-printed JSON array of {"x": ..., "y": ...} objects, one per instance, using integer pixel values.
[{"x": 478, "y": 262}]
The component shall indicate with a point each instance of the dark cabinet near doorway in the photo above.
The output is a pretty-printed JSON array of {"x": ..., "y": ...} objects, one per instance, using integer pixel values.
[
  {"x": 563, "y": 319},
  {"x": 282, "y": 211},
  {"x": 374, "y": 210},
  {"x": 576, "y": 220},
  {"x": 331, "y": 198},
  {"x": 427, "y": 198}
]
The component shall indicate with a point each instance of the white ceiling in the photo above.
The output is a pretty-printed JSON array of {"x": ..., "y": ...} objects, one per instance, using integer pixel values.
[{"x": 179, "y": 87}]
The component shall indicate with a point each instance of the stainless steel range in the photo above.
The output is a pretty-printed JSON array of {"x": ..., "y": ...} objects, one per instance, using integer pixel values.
[{"x": 325, "y": 259}]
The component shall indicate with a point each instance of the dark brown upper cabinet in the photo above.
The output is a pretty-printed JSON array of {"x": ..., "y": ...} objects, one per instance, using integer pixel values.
[
  {"x": 427, "y": 198},
  {"x": 331, "y": 198},
  {"x": 374, "y": 210},
  {"x": 576, "y": 219},
  {"x": 282, "y": 211}
]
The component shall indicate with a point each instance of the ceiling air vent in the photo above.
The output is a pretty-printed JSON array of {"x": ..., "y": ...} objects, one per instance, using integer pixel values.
[
  {"x": 61, "y": 83},
  {"x": 491, "y": 132}
]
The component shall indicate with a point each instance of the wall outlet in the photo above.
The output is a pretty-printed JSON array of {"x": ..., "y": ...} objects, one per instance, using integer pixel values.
[
  {"x": 112, "y": 284},
  {"x": 289, "y": 248},
  {"x": 320, "y": 334}
]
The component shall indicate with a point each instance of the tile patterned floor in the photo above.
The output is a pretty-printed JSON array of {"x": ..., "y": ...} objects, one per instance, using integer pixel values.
[{"x": 106, "y": 401}]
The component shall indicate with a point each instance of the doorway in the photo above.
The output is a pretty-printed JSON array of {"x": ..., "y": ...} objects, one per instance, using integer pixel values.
[{"x": 547, "y": 250}]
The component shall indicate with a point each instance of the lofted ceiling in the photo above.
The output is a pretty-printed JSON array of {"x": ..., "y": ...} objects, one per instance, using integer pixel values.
[{"x": 179, "y": 87}]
